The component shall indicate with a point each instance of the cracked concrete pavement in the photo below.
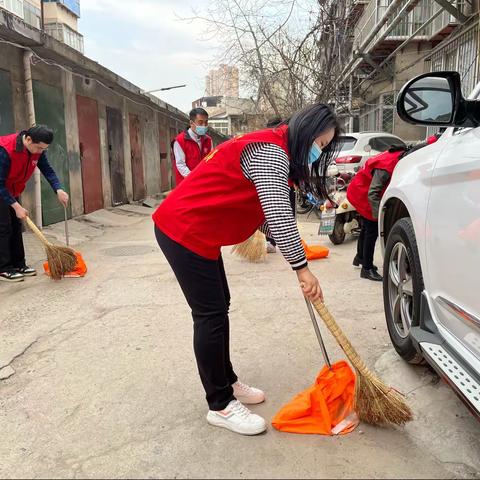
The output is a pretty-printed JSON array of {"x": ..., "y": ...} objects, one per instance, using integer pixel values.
[{"x": 97, "y": 375}]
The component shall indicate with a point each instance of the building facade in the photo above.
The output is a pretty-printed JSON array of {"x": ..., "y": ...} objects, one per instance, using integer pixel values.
[
  {"x": 58, "y": 18},
  {"x": 224, "y": 82},
  {"x": 395, "y": 40}
]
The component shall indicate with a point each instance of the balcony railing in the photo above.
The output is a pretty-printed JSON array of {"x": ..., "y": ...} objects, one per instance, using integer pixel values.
[
  {"x": 63, "y": 33},
  {"x": 376, "y": 9}
]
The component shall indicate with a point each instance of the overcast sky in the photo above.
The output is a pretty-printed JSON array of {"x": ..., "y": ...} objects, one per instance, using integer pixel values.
[{"x": 145, "y": 42}]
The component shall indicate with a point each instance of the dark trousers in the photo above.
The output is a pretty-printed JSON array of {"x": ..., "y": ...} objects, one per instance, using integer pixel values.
[
  {"x": 12, "y": 252},
  {"x": 205, "y": 287},
  {"x": 366, "y": 242},
  {"x": 293, "y": 201}
]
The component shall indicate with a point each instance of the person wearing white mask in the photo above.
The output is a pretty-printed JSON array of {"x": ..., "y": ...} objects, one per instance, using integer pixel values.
[{"x": 191, "y": 145}]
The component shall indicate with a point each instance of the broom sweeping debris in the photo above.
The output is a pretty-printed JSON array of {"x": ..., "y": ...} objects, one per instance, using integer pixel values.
[
  {"x": 61, "y": 260},
  {"x": 254, "y": 249},
  {"x": 375, "y": 402}
]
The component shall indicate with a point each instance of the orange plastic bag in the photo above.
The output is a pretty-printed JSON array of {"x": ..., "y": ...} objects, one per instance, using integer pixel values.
[
  {"x": 80, "y": 269},
  {"x": 315, "y": 252},
  {"x": 326, "y": 408}
]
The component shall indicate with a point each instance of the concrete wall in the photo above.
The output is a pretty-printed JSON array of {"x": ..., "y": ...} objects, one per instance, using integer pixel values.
[{"x": 153, "y": 120}]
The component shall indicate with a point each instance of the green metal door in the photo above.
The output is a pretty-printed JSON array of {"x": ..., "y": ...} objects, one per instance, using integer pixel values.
[
  {"x": 7, "y": 123},
  {"x": 50, "y": 111}
]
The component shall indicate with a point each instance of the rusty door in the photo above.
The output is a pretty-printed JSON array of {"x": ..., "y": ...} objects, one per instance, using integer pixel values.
[
  {"x": 136, "y": 155},
  {"x": 89, "y": 139},
  {"x": 116, "y": 157},
  {"x": 164, "y": 170}
]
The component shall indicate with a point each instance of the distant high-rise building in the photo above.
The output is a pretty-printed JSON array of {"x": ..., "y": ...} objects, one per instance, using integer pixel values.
[
  {"x": 60, "y": 18},
  {"x": 223, "y": 82}
]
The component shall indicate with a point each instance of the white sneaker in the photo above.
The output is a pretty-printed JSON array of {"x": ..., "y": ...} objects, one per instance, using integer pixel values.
[
  {"x": 271, "y": 248},
  {"x": 237, "y": 418},
  {"x": 246, "y": 394}
]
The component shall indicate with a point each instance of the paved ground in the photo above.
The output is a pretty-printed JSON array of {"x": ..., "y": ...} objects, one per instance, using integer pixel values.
[{"x": 103, "y": 382}]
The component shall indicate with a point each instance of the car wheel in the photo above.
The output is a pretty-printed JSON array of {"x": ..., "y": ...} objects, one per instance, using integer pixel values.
[
  {"x": 338, "y": 235},
  {"x": 402, "y": 288}
]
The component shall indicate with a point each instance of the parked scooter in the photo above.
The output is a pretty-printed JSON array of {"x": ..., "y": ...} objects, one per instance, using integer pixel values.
[{"x": 339, "y": 219}]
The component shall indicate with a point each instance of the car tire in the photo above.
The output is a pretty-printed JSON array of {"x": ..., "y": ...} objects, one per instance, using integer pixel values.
[
  {"x": 402, "y": 288},
  {"x": 338, "y": 235}
]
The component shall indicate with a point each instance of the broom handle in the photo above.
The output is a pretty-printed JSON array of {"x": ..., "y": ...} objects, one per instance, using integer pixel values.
[
  {"x": 342, "y": 339},
  {"x": 36, "y": 231},
  {"x": 317, "y": 331},
  {"x": 67, "y": 236}
]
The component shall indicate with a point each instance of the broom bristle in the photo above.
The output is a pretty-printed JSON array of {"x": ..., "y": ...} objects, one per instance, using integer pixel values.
[
  {"x": 378, "y": 404},
  {"x": 375, "y": 402},
  {"x": 254, "y": 249},
  {"x": 61, "y": 260}
]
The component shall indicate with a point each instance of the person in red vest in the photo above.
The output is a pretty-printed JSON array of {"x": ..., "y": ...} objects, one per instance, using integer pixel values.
[
  {"x": 191, "y": 145},
  {"x": 20, "y": 153},
  {"x": 241, "y": 186},
  {"x": 365, "y": 193}
]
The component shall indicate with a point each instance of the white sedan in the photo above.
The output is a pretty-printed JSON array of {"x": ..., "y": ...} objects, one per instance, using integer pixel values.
[{"x": 357, "y": 148}]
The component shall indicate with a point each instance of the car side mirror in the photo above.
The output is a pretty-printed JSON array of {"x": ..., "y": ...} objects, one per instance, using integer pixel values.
[{"x": 435, "y": 99}]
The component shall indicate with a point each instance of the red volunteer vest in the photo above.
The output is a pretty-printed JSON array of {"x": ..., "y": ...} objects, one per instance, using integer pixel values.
[
  {"x": 216, "y": 205},
  {"x": 357, "y": 192},
  {"x": 22, "y": 165},
  {"x": 193, "y": 154}
]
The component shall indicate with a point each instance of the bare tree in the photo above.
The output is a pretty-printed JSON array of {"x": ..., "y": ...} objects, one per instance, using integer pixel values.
[{"x": 289, "y": 52}]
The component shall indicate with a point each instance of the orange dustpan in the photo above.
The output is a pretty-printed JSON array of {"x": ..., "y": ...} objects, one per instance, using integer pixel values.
[
  {"x": 80, "y": 269},
  {"x": 314, "y": 252},
  {"x": 327, "y": 407}
]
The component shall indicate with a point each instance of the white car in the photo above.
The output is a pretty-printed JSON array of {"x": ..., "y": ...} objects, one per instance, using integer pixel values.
[
  {"x": 430, "y": 230},
  {"x": 357, "y": 148}
]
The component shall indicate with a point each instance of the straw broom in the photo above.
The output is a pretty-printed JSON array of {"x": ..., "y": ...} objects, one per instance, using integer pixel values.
[
  {"x": 254, "y": 249},
  {"x": 61, "y": 260},
  {"x": 375, "y": 402}
]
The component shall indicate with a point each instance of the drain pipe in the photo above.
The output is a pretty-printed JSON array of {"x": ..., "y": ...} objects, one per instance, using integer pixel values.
[{"x": 27, "y": 67}]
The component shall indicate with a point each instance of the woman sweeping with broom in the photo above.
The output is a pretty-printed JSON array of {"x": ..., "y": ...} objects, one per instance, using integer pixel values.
[{"x": 241, "y": 186}]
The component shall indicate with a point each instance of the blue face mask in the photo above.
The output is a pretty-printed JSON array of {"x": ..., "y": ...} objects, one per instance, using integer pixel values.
[
  {"x": 201, "y": 131},
  {"x": 315, "y": 153}
]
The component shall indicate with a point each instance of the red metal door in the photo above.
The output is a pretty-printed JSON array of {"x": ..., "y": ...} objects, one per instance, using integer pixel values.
[
  {"x": 89, "y": 138},
  {"x": 136, "y": 155}
]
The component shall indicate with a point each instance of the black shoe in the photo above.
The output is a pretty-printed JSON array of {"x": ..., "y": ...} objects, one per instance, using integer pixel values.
[
  {"x": 11, "y": 276},
  {"x": 356, "y": 261},
  {"x": 26, "y": 271},
  {"x": 371, "y": 274}
]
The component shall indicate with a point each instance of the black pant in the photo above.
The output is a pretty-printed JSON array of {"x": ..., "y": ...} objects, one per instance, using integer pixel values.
[
  {"x": 205, "y": 287},
  {"x": 293, "y": 201},
  {"x": 12, "y": 252},
  {"x": 366, "y": 242}
]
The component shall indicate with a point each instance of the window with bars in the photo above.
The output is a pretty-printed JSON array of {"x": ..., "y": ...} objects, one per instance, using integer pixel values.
[
  {"x": 459, "y": 54},
  {"x": 379, "y": 115}
]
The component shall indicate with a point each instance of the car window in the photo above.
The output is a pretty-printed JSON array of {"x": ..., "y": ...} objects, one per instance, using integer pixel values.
[
  {"x": 381, "y": 144},
  {"x": 347, "y": 143}
]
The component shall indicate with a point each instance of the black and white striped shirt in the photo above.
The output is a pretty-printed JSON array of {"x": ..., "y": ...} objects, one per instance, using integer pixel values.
[{"x": 268, "y": 167}]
